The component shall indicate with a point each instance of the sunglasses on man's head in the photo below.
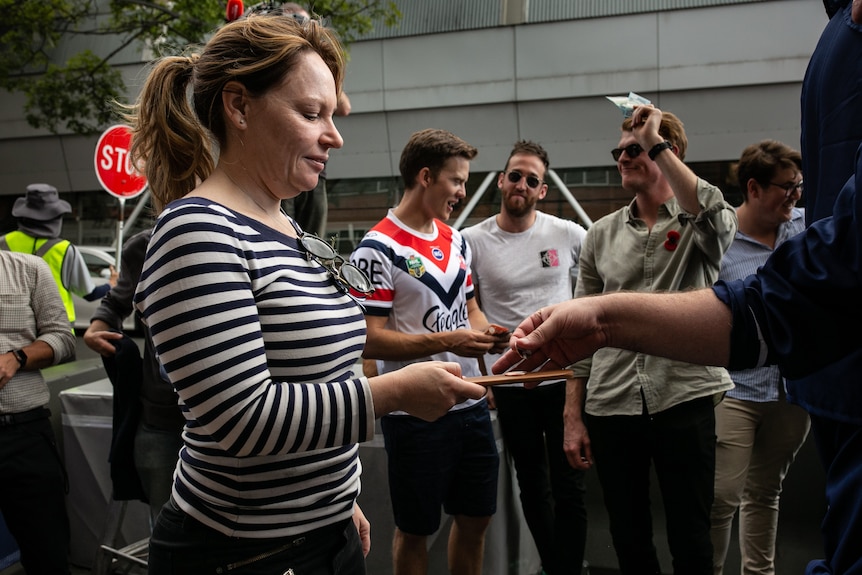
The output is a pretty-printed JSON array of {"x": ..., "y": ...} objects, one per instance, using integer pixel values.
[
  {"x": 632, "y": 151},
  {"x": 515, "y": 176}
]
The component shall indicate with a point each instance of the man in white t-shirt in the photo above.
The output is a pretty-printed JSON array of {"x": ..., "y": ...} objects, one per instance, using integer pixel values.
[
  {"x": 423, "y": 309},
  {"x": 524, "y": 259}
]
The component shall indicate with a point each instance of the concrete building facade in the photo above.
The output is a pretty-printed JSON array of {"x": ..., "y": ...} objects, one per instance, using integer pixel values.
[{"x": 495, "y": 71}]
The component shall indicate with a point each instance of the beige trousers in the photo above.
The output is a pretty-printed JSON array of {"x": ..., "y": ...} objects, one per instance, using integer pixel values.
[{"x": 756, "y": 443}]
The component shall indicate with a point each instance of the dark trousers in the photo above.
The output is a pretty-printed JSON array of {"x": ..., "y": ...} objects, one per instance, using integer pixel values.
[
  {"x": 840, "y": 448},
  {"x": 33, "y": 496},
  {"x": 680, "y": 442},
  {"x": 551, "y": 491},
  {"x": 155, "y": 461},
  {"x": 181, "y": 545}
]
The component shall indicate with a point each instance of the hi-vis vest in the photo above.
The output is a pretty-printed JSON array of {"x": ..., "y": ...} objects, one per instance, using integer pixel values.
[{"x": 52, "y": 251}]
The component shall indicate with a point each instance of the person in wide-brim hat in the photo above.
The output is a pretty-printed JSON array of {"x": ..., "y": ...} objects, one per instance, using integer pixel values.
[
  {"x": 40, "y": 221},
  {"x": 41, "y": 203}
]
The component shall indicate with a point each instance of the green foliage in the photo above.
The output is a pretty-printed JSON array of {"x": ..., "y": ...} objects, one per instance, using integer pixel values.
[
  {"x": 30, "y": 30},
  {"x": 61, "y": 53},
  {"x": 167, "y": 26},
  {"x": 353, "y": 18},
  {"x": 76, "y": 94}
]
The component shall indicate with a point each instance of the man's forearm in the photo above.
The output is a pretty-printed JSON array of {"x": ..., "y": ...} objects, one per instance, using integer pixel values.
[
  {"x": 397, "y": 346},
  {"x": 682, "y": 181},
  {"x": 689, "y": 326},
  {"x": 575, "y": 393},
  {"x": 39, "y": 355}
]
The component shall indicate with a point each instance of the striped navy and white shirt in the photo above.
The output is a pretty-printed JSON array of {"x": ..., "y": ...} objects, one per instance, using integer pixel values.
[
  {"x": 260, "y": 344},
  {"x": 759, "y": 384}
]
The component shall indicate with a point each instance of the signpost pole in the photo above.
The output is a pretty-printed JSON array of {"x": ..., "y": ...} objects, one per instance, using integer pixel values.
[{"x": 120, "y": 220}]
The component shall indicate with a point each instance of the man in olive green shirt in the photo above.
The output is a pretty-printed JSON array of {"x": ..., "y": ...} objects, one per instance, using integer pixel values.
[{"x": 640, "y": 409}]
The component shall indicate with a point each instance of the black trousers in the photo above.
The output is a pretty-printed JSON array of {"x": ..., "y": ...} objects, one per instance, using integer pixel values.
[
  {"x": 181, "y": 545},
  {"x": 680, "y": 442},
  {"x": 33, "y": 496},
  {"x": 552, "y": 492},
  {"x": 839, "y": 445}
]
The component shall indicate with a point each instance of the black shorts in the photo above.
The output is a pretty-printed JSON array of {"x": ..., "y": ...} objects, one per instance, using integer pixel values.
[{"x": 450, "y": 463}]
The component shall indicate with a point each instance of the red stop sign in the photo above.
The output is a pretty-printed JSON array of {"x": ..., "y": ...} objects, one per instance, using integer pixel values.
[{"x": 113, "y": 165}]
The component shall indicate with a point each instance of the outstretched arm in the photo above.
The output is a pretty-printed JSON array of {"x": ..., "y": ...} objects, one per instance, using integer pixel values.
[{"x": 689, "y": 326}]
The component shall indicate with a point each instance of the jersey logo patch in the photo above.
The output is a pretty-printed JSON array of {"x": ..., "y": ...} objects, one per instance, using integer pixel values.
[
  {"x": 550, "y": 258},
  {"x": 415, "y": 267},
  {"x": 437, "y": 253}
]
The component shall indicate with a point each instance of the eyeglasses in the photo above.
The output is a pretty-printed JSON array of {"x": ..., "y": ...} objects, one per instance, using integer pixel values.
[
  {"x": 632, "y": 151},
  {"x": 532, "y": 181},
  {"x": 789, "y": 188},
  {"x": 345, "y": 273}
]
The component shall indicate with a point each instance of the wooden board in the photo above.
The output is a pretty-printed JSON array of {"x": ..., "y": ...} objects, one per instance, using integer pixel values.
[{"x": 521, "y": 377}]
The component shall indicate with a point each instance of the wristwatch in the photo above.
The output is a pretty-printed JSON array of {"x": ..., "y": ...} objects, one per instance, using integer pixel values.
[
  {"x": 658, "y": 148},
  {"x": 20, "y": 356}
]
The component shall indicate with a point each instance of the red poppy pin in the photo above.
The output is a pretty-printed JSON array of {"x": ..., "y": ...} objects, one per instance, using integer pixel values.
[{"x": 672, "y": 240}]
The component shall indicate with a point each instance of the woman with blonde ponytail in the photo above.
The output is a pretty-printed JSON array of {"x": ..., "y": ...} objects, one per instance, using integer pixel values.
[{"x": 257, "y": 324}]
